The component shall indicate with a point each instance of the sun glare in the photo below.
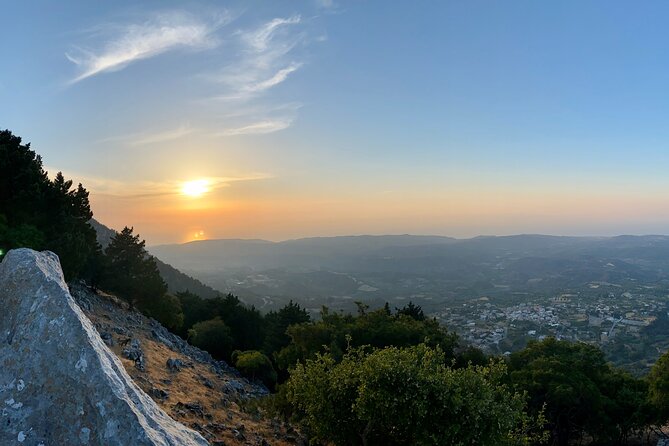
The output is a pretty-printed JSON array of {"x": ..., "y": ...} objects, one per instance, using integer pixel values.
[{"x": 195, "y": 188}]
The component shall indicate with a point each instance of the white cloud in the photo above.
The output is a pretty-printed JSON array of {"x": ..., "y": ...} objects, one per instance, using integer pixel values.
[
  {"x": 266, "y": 56},
  {"x": 258, "y": 128},
  {"x": 279, "y": 77},
  {"x": 260, "y": 38},
  {"x": 165, "y": 136},
  {"x": 146, "y": 138},
  {"x": 157, "y": 35},
  {"x": 262, "y": 62}
]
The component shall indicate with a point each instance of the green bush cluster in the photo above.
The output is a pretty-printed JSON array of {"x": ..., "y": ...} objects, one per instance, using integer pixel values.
[{"x": 399, "y": 396}]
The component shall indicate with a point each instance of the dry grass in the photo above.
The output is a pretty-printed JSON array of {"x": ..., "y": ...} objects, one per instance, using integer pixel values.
[{"x": 221, "y": 419}]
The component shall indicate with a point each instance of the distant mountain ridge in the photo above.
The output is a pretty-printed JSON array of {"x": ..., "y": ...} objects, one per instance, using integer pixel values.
[
  {"x": 334, "y": 270},
  {"x": 398, "y": 252},
  {"x": 299, "y": 253},
  {"x": 176, "y": 280}
]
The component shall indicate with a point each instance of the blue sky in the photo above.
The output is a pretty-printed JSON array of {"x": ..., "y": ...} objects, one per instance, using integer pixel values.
[{"x": 332, "y": 117}]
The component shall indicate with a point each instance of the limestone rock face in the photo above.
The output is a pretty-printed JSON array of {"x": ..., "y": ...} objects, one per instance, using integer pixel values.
[{"x": 59, "y": 383}]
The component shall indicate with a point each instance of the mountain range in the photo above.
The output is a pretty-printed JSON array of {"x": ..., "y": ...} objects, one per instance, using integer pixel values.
[{"x": 379, "y": 268}]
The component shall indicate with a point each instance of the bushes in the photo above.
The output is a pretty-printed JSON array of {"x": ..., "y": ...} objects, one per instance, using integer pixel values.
[
  {"x": 396, "y": 396},
  {"x": 255, "y": 366},
  {"x": 336, "y": 332},
  {"x": 658, "y": 390},
  {"x": 166, "y": 309},
  {"x": 582, "y": 394},
  {"x": 213, "y": 336},
  {"x": 244, "y": 325}
]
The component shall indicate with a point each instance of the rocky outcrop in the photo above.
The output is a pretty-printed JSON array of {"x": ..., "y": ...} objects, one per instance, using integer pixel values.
[{"x": 59, "y": 382}]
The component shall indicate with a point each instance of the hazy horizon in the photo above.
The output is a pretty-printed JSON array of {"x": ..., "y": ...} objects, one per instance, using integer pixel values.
[
  {"x": 411, "y": 235},
  {"x": 193, "y": 120}
]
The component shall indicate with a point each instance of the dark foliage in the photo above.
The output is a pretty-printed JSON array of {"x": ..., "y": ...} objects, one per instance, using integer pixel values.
[
  {"x": 245, "y": 325},
  {"x": 411, "y": 310},
  {"x": 581, "y": 393},
  {"x": 40, "y": 213},
  {"x": 130, "y": 272},
  {"x": 335, "y": 333}
]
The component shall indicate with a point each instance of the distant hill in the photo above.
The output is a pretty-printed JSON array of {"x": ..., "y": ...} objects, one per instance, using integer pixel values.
[
  {"x": 337, "y": 271},
  {"x": 176, "y": 280},
  {"x": 300, "y": 254}
]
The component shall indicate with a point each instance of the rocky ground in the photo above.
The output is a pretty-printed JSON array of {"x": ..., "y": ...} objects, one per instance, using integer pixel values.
[{"x": 184, "y": 381}]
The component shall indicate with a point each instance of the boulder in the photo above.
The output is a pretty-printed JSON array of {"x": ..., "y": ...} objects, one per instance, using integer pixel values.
[{"x": 59, "y": 383}]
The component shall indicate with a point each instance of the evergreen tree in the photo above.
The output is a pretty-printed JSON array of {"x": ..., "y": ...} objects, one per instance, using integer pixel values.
[
  {"x": 131, "y": 272},
  {"x": 413, "y": 311},
  {"x": 213, "y": 336},
  {"x": 277, "y": 323},
  {"x": 39, "y": 213}
]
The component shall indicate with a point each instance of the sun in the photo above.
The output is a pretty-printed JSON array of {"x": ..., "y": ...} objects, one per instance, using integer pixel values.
[{"x": 195, "y": 188}]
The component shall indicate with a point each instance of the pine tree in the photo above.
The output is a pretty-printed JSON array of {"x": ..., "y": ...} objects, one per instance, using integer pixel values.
[
  {"x": 130, "y": 271},
  {"x": 38, "y": 213}
]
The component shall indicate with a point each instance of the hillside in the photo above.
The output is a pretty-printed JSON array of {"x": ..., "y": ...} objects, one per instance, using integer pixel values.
[
  {"x": 111, "y": 375},
  {"x": 193, "y": 388},
  {"x": 176, "y": 280}
]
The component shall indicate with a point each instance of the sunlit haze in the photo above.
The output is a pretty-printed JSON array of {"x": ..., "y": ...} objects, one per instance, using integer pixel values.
[
  {"x": 195, "y": 188},
  {"x": 279, "y": 120}
]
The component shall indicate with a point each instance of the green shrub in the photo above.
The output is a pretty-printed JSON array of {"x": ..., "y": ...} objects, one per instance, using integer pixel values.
[
  {"x": 213, "y": 336},
  {"x": 398, "y": 396},
  {"x": 166, "y": 309},
  {"x": 255, "y": 365}
]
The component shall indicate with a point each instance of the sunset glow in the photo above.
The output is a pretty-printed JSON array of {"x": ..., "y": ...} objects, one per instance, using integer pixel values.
[
  {"x": 225, "y": 123},
  {"x": 195, "y": 188}
]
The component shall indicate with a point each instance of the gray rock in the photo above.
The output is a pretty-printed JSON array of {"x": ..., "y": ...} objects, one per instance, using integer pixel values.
[
  {"x": 59, "y": 383},
  {"x": 174, "y": 364},
  {"x": 134, "y": 352},
  {"x": 107, "y": 338},
  {"x": 159, "y": 393}
]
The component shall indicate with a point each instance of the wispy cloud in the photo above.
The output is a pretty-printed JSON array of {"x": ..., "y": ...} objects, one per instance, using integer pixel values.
[
  {"x": 263, "y": 59},
  {"x": 240, "y": 75},
  {"x": 258, "y": 128},
  {"x": 261, "y": 38},
  {"x": 129, "y": 43},
  {"x": 154, "y": 137},
  {"x": 279, "y": 77},
  {"x": 165, "y": 136},
  {"x": 266, "y": 57}
]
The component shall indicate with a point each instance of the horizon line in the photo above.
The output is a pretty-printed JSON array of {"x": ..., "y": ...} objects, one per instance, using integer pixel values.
[{"x": 407, "y": 235}]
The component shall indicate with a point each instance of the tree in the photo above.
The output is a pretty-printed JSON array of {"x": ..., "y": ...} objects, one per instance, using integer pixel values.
[
  {"x": 166, "y": 310},
  {"x": 580, "y": 391},
  {"x": 246, "y": 324},
  {"x": 276, "y": 324},
  {"x": 40, "y": 213},
  {"x": 255, "y": 365},
  {"x": 334, "y": 333},
  {"x": 195, "y": 309},
  {"x": 411, "y": 310},
  {"x": 626, "y": 407},
  {"x": 213, "y": 336},
  {"x": 131, "y": 272},
  {"x": 658, "y": 390},
  {"x": 397, "y": 396},
  {"x": 69, "y": 234}
]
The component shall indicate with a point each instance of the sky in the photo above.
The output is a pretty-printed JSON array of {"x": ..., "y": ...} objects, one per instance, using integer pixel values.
[{"x": 287, "y": 119}]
